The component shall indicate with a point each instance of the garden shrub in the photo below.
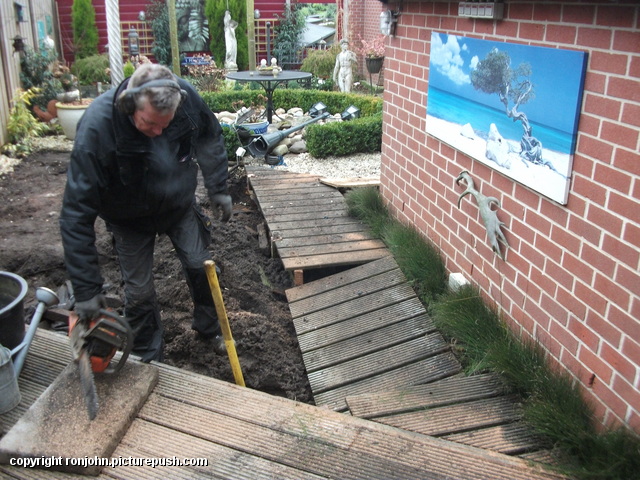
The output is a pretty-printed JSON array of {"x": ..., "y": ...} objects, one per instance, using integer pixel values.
[
  {"x": 91, "y": 70},
  {"x": 85, "y": 31},
  {"x": 362, "y": 135}
]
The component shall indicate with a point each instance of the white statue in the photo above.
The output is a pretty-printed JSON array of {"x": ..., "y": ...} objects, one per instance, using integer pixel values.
[
  {"x": 343, "y": 71},
  {"x": 230, "y": 41}
]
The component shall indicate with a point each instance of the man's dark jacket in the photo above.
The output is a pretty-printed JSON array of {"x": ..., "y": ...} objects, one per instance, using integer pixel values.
[{"x": 132, "y": 180}]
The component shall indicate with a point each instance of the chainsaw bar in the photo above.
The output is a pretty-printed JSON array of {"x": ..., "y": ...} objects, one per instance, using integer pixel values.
[{"x": 88, "y": 385}]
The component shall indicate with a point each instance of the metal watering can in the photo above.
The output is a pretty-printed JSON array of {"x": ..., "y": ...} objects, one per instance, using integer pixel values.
[{"x": 12, "y": 361}]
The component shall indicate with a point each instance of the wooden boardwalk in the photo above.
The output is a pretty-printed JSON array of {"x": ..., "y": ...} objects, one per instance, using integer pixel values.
[
  {"x": 370, "y": 348},
  {"x": 246, "y": 434},
  {"x": 308, "y": 222}
]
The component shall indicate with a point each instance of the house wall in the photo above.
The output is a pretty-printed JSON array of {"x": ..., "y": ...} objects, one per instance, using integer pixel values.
[{"x": 570, "y": 279}]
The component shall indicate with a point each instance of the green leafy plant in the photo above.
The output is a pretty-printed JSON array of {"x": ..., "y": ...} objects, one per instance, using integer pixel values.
[
  {"x": 128, "y": 69},
  {"x": 320, "y": 63},
  {"x": 85, "y": 31},
  {"x": 36, "y": 72},
  {"x": 345, "y": 138},
  {"x": 157, "y": 15},
  {"x": 22, "y": 125},
  {"x": 91, "y": 70},
  {"x": 286, "y": 45}
]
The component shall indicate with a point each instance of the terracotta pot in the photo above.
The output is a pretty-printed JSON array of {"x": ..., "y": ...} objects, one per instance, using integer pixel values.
[{"x": 374, "y": 64}]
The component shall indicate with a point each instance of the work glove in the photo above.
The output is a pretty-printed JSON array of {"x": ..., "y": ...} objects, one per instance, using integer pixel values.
[
  {"x": 223, "y": 202},
  {"x": 90, "y": 309}
]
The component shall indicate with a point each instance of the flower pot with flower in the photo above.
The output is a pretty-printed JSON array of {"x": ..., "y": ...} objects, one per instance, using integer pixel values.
[
  {"x": 373, "y": 52},
  {"x": 70, "y": 106}
]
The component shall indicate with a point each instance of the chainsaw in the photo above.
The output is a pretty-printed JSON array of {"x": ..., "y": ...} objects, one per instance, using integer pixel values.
[{"x": 94, "y": 344}]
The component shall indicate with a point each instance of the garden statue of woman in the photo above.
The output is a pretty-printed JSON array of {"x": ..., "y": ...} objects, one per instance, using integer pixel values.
[
  {"x": 230, "y": 42},
  {"x": 343, "y": 71}
]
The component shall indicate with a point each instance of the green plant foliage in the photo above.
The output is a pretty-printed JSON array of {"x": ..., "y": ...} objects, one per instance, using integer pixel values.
[
  {"x": 231, "y": 141},
  {"x": 157, "y": 15},
  {"x": 128, "y": 69},
  {"x": 321, "y": 62},
  {"x": 366, "y": 204},
  {"x": 345, "y": 138},
  {"x": 91, "y": 70},
  {"x": 214, "y": 11},
  {"x": 288, "y": 30},
  {"x": 22, "y": 125},
  {"x": 35, "y": 72},
  {"x": 85, "y": 31}
]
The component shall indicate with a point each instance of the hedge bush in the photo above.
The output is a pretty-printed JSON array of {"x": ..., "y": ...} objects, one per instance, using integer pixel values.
[{"x": 362, "y": 135}]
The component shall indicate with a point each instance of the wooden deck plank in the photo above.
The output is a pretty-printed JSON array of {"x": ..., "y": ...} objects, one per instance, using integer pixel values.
[
  {"x": 341, "y": 279},
  {"x": 511, "y": 439},
  {"x": 313, "y": 239},
  {"x": 310, "y": 215},
  {"x": 365, "y": 344},
  {"x": 424, "y": 371},
  {"x": 305, "y": 322},
  {"x": 351, "y": 292},
  {"x": 278, "y": 199},
  {"x": 375, "y": 363},
  {"x": 333, "y": 260},
  {"x": 293, "y": 232},
  {"x": 458, "y": 417},
  {"x": 328, "y": 248},
  {"x": 281, "y": 226},
  {"x": 272, "y": 212},
  {"x": 406, "y": 312},
  {"x": 418, "y": 397}
]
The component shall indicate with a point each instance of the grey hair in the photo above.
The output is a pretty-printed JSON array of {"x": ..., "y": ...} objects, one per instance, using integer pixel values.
[{"x": 162, "y": 99}]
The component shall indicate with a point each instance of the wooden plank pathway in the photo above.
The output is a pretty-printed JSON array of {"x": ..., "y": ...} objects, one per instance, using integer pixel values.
[
  {"x": 364, "y": 332},
  {"x": 246, "y": 434},
  {"x": 308, "y": 222}
]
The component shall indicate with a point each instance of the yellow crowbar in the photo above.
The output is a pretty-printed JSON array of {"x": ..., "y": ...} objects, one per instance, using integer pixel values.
[{"x": 212, "y": 276}]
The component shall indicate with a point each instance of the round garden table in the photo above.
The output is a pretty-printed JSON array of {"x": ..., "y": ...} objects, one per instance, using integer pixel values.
[{"x": 269, "y": 83}]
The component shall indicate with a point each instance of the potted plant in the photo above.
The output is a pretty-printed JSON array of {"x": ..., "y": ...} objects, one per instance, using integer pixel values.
[
  {"x": 373, "y": 52},
  {"x": 70, "y": 106},
  {"x": 252, "y": 118}
]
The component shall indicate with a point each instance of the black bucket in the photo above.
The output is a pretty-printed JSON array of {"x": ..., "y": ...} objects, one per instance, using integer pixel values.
[{"x": 13, "y": 289}]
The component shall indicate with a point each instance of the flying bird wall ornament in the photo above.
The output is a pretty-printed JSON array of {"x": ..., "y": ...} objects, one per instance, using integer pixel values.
[{"x": 488, "y": 214}]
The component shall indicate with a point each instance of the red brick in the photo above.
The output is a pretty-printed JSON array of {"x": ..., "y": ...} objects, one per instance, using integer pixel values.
[
  {"x": 578, "y": 14},
  {"x": 611, "y": 399},
  {"x": 603, "y": 218},
  {"x": 602, "y": 106},
  {"x": 531, "y": 31},
  {"x": 625, "y": 206},
  {"x": 592, "y": 362},
  {"x": 628, "y": 279},
  {"x": 603, "y": 328},
  {"x": 584, "y": 229},
  {"x": 520, "y": 11},
  {"x": 634, "y": 68},
  {"x": 560, "y": 276},
  {"x": 613, "y": 178},
  {"x": 547, "y": 12},
  {"x": 624, "y": 88},
  {"x": 588, "y": 337},
  {"x": 621, "y": 251},
  {"x": 589, "y": 189},
  {"x": 566, "y": 339},
  {"x": 627, "y": 41},
  {"x": 595, "y": 83},
  {"x": 598, "y": 260},
  {"x": 591, "y": 297},
  {"x": 611, "y": 290},
  {"x": 553, "y": 212},
  {"x": 565, "y": 239},
  {"x": 631, "y": 349},
  {"x": 631, "y": 114},
  {"x": 594, "y": 148},
  {"x": 619, "y": 363},
  {"x": 631, "y": 234},
  {"x": 594, "y": 37},
  {"x": 619, "y": 134},
  {"x": 616, "y": 16},
  {"x": 627, "y": 160}
]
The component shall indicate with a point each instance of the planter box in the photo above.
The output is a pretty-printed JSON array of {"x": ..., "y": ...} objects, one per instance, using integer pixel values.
[{"x": 69, "y": 115}]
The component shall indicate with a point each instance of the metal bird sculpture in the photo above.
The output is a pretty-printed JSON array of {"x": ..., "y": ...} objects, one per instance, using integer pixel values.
[{"x": 489, "y": 216}]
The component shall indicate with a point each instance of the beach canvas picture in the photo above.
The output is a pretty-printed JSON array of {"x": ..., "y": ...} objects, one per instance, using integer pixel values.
[{"x": 512, "y": 107}]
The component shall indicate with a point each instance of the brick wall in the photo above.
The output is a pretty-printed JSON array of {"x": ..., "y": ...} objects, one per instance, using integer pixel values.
[{"x": 570, "y": 279}]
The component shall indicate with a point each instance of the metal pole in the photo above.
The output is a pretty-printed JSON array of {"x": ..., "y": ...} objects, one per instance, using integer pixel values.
[
  {"x": 114, "y": 42},
  {"x": 268, "y": 43}
]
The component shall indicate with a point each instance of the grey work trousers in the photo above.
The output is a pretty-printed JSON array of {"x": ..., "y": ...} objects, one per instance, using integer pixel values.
[{"x": 190, "y": 237}]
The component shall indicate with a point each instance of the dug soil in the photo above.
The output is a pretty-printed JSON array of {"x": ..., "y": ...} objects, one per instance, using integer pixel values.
[{"x": 253, "y": 283}]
